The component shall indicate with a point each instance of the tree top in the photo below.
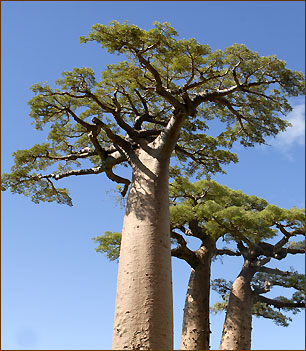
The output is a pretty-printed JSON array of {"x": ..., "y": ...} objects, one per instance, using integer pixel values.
[{"x": 159, "y": 99}]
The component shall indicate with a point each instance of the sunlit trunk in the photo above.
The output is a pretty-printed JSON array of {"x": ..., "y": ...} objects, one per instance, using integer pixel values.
[
  {"x": 196, "y": 330},
  {"x": 143, "y": 315},
  {"x": 238, "y": 320}
]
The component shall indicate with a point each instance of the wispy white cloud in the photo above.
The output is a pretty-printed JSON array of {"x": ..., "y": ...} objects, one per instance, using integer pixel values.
[{"x": 294, "y": 135}]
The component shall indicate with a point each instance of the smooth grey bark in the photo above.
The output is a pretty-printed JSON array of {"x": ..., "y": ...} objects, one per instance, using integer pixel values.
[
  {"x": 196, "y": 326},
  {"x": 143, "y": 315},
  {"x": 144, "y": 311},
  {"x": 238, "y": 320}
]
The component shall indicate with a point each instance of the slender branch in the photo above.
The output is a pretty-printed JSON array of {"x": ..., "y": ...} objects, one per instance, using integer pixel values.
[
  {"x": 121, "y": 123},
  {"x": 203, "y": 81},
  {"x": 143, "y": 101},
  {"x": 183, "y": 252},
  {"x": 192, "y": 71},
  {"x": 215, "y": 95},
  {"x": 134, "y": 109},
  {"x": 202, "y": 157},
  {"x": 107, "y": 166},
  {"x": 146, "y": 118},
  {"x": 54, "y": 188},
  {"x": 115, "y": 178},
  {"x": 227, "y": 252},
  {"x": 295, "y": 251},
  {"x": 101, "y": 104},
  {"x": 116, "y": 139},
  {"x": 261, "y": 290},
  {"x": 262, "y": 262},
  {"x": 194, "y": 231},
  {"x": 287, "y": 235},
  {"x": 273, "y": 271},
  {"x": 159, "y": 86},
  {"x": 89, "y": 127},
  {"x": 57, "y": 176},
  {"x": 235, "y": 73},
  {"x": 225, "y": 102},
  {"x": 280, "y": 304},
  {"x": 236, "y": 233},
  {"x": 72, "y": 156}
]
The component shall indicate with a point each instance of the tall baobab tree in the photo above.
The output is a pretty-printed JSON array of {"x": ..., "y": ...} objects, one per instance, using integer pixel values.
[{"x": 144, "y": 110}]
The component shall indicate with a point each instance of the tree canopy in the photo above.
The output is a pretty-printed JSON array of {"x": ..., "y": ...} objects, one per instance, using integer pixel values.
[
  {"x": 276, "y": 308},
  {"x": 142, "y": 103},
  {"x": 208, "y": 208}
]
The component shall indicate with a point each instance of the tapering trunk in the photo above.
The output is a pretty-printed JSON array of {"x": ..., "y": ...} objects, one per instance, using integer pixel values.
[
  {"x": 196, "y": 330},
  {"x": 238, "y": 320},
  {"x": 143, "y": 316}
]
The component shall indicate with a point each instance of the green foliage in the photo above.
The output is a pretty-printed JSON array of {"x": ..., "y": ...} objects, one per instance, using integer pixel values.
[
  {"x": 36, "y": 186},
  {"x": 225, "y": 212},
  {"x": 296, "y": 245},
  {"x": 291, "y": 280},
  {"x": 160, "y": 73},
  {"x": 261, "y": 309},
  {"x": 109, "y": 243}
]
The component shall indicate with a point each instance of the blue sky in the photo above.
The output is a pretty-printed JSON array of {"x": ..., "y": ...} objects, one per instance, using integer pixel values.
[{"x": 57, "y": 292}]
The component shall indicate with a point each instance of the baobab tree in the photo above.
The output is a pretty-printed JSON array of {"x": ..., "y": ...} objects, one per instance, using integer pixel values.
[
  {"x": 210, "y": 211},
  {"x": 246, "y": 297},
  {"x": 144, "y": 110},
  {"x": 275, "y": 309}
]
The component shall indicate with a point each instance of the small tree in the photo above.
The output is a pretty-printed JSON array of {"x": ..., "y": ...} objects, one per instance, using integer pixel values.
[
  {"x": 255, "y": 279},
  {"x": 263, "y": 282},
  {"x": 144, "y": 110}
]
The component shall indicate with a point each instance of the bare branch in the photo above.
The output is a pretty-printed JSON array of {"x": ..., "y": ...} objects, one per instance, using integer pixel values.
[
  {"x": 227, "y": 252},
  {"x": 183, "y": 252},
  {"x": 295, "y": 251},
  {"x": 287, "y": 235},
  {"x": 273, "y": 271}
]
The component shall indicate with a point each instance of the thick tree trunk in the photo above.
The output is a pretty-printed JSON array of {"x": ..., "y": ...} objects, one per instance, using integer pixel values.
[
  {"x": 143, "y": 316},
  {"x": 196, "y": 330},
  {"x": 238, "y": 320}
]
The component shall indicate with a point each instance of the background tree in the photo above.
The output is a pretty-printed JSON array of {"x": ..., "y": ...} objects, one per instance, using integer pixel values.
[
  {"x": 263, "y": 283},
  {"x": 142, "y": 110},
  {"x": 209, "y": 211},
  {"x": 246, "y": 297}
]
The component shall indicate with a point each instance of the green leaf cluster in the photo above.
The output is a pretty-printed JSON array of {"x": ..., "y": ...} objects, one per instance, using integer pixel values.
[
  {"x": 260, "y": 309},
  {"x": 26, "y": 178},
  {"x": 222, "y": 211},
  {"x": 109, "y": 243}
]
